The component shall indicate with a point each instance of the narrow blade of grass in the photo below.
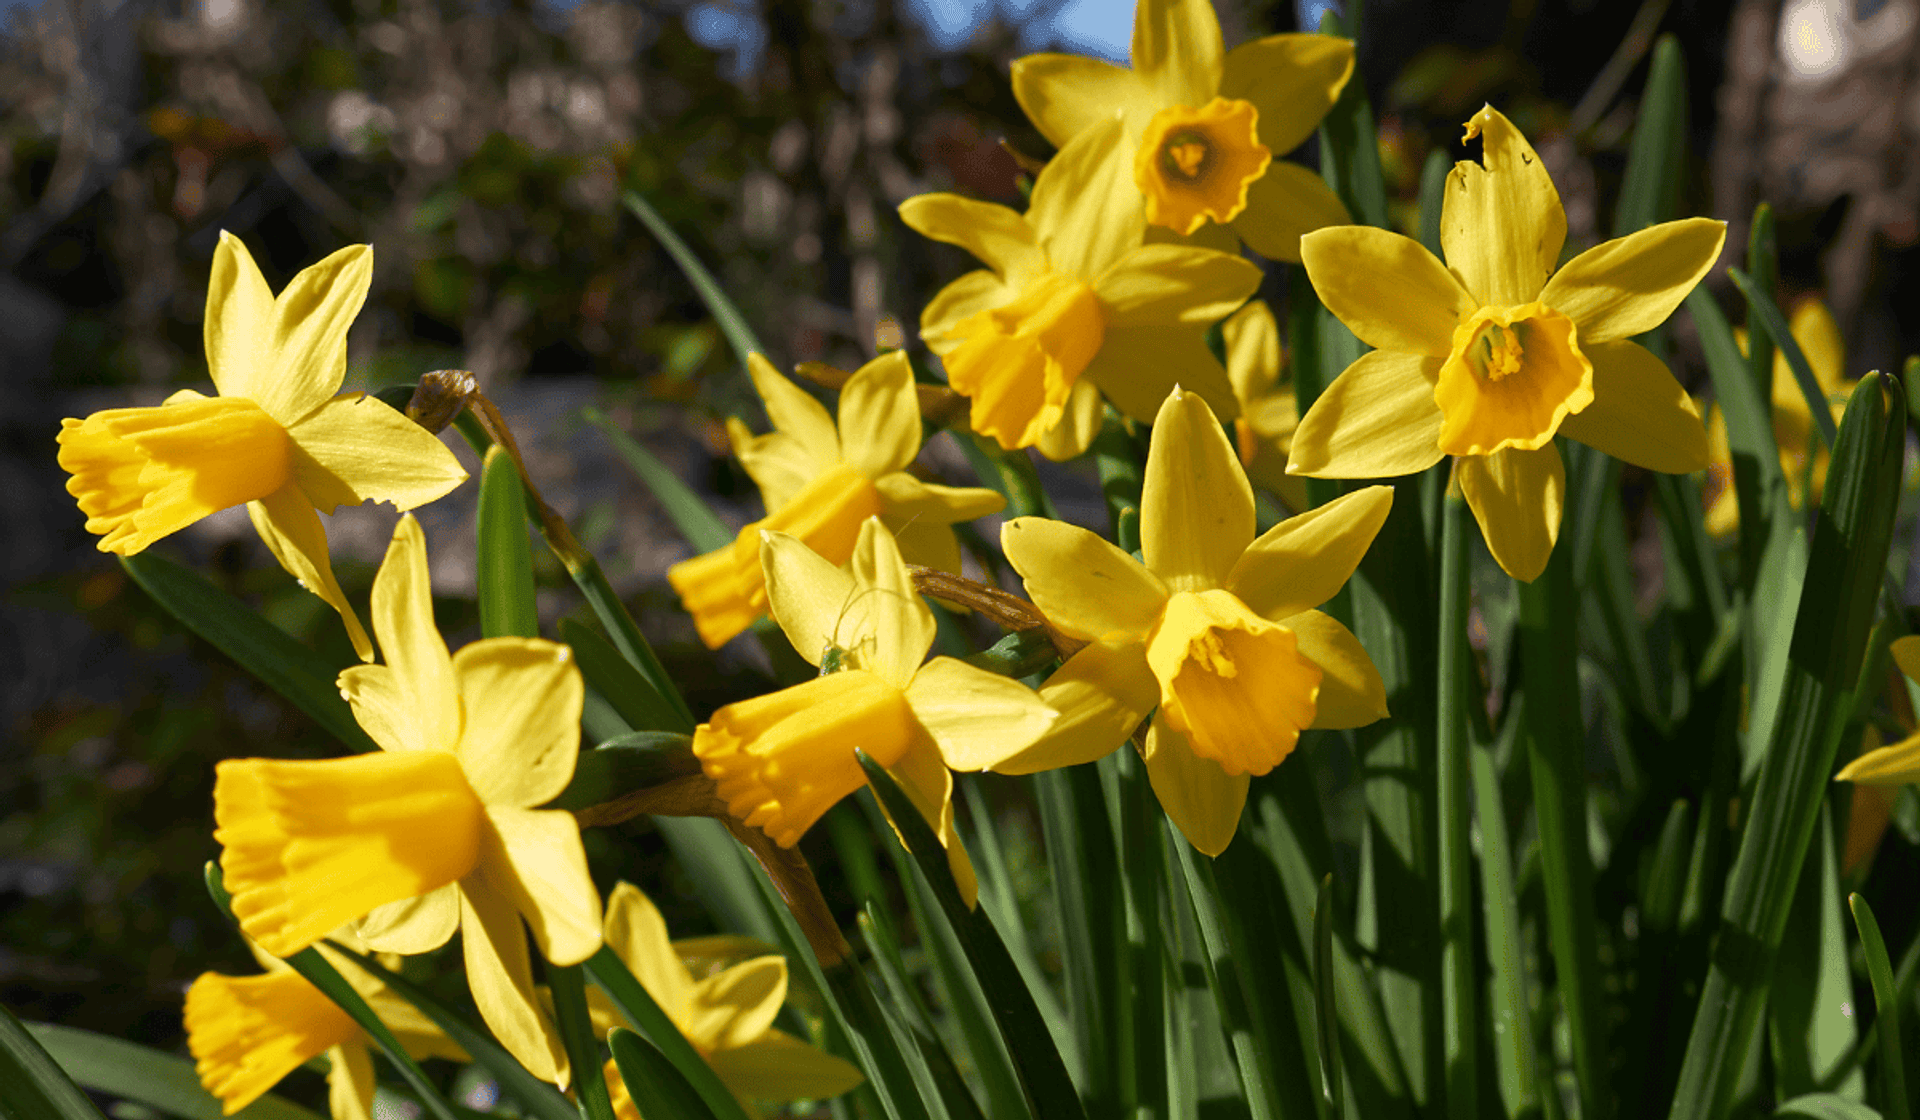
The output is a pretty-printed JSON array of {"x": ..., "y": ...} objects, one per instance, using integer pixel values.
[
  {"x": 688, "y": 511},
  {"x": 656, "y": 1085},
  {"x": 568, "y": 986},
  {"x": 32, "y": 1084},
  {"x": 612, "y": 976},
  {"x": 140, "y": 1073},
  {"x": 1766, "y": 315},
  {"x": 504, "y": 565},
  {"x": 732, "y": 323},
  {"x": 1886, "y": 1000}
]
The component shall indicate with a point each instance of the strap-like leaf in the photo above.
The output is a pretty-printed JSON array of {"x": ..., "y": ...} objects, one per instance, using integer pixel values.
[{"x": 140, "y": 1073}]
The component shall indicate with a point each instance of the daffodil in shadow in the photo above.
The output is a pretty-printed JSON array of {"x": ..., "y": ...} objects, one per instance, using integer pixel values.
[
  {"x": 1269, "y": 411},
  {"x": 247, "y": 1032},
  {"x": 1489, "y": 356},
  {"x": 1897, "y": 764},
  {"x": 780, "y": 761},
  {"x": 1202, "y": 126},
  {"x": 727, "y": 1014},
  {"x": 439, "y": 832},
  {"x": 820, "y": 481},
  {"x": 1215, "y": 634},
  {"x": 280, "y": 437},
  {"x": 1803, "y": 456},
  {"x": 1071, "y": 304}
]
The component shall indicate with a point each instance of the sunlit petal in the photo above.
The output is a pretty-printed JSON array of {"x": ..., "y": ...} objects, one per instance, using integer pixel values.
[
  {"x": 1501, "y": 223},
  {"x": 239, "y": 320},
  {"x": 737, "y": 1006},
  {"x": 1630, "y": 285},
  {"x": 1386, "y": 288},
  {"x": 794, "y": 411},
  {"x": 1159, "y": 285},
  {"x": 1284, "y": 205},
  {"x": 522, "y": 735},
  {"x": 880, "y": 416},
  {"x": 1639, "y": 414},
  {"x": 309, "y": 339},
  {"x": 1305, "y": 560},
  {"x": 1002, "y": 238},
  {"x": 1084, "y": 585},
  {"x": 1292, "y": 79},
  {"x": 500, "y": 974},
  {"x": 808, "y": 596},
  {"x": 1101, "y": 694},
  {"x": 1177, "y": 50},
  {"x": 637, "y": 934},
  {"x": 536, "y": 858},
  {"x": 1196, "y": 508},
  {"x": 1085, "y": 208},
  {"x": 1894, "y": 765},
  {"x": 888, "y": 609},
  {"x": 976, "y": 718},
  {"x": 414, "y": 925},
  {"x": 411, "y": 643},
  {"x": 1351, "y": 691},
  {"x": 1065, "y": 94},
  {"x": 357, "y": 447},
  {"x": 1516, "y": 496},
  {"x": 1138, "y": 366},
  {"x": 1202, "y": 800},
  {"x": 927, "y": 782},
  {"x": 1377, "y": 420}
]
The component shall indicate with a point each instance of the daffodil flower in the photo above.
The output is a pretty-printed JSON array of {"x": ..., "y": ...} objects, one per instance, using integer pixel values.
[
  {"x": 1489, "y": 356},
  {"x": 781, "y": 761},
  {"x": 438, "y": 832},
  {"x": 727, "y": 1016},
  {"x": 1803, "y": 459},
  {"x": 1202, "y": 125},
  {"x": 1215, "y": 634},
  {"x": 1269, "y": 412},
  {"x": 277, "y": 438},
  {"x": 247, "y": 1032},
  {"x": 1072, "y": 305},
  {"x": 820, "y": 483},
  {"x": 1897, "y": 764}
]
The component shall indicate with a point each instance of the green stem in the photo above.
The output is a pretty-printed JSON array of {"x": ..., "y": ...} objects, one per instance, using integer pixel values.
[
  {"x": 1458, "y": 1010},
  {"x": 576, "y": 1034}
]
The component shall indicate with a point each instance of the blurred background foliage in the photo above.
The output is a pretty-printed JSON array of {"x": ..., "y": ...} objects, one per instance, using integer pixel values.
[{"x": 482, "y": 146}]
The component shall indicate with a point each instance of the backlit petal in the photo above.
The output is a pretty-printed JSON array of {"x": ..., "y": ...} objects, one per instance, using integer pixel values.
[
  {"x": 906, "y": 497},
  {"x": 356, "y": 447},
  {"x": 403, "y": 620},
  {"x": 794, "y": 411},
  {"x": 1292, "y": 79},
  {"x": 522, "y": 735},
  {"x": 419, "y": 924},
  {"x": 1305, "y": 560},
  {"x": 1202, "y": 800},
  {"x": 1894, "y": 765},
  {"x": 778, "y": 463},
  {"x": 977, "y": 718},
  {"x": 500, "y": 974},
  {"x": 1386, "y": 288},
  {"x": 1003, "y": 239},
  {"x": 1065, "y": 94},
  {"x": 1253, "y": 351},
  {"x": 637, "y": 934},
  {"x": 1138, "y": 366},
  {"x": 1516, "y": 496},
  {"x": 1177, "y": 50},
  {"x": 1085, "y": 208},
  {"x": 1284, "y": 205},
  {"x": 779, "y": 1067},
  {"x": 309, "y": 340},
  {"x": 808, "y": 596},
  {"x": 1629, "y": 285},
  {"x": 880, "y": 416},
  {"x": 536, "y": 857},
  {"x": 350, "y": 1082},
  {"x": 1377, "y": 420},
  {"x": 927, "y": 782},
  {"x": 1351, "y": 691},
  {"x": 239, "y": 321},
  {"x": 1079, "y": 423},
  {"x": 1196, "y": 508},
  {"x": 1639, "y": 414},
  {"x": 286, "y": 521},
  {"x": 1158, "y": 285},
  {"x": 1101, "y": 693},
  {"x": 1906, "y": 654},
  {"x": 1084, "y": 585},
  {"x": 1501, "y": 223},
  {"x": 892, "y": 612},
  {"x": 736, "y": 1006}
]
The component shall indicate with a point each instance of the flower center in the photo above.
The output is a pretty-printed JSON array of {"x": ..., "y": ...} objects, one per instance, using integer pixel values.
[
  {"x": 1017, "y": 361},
  {"x": 1234, "y": 683},
  {"x": 1514, "y": 374},
  {"x": 248, "y": 1032},
  {"x": 1196, "y": 164}
]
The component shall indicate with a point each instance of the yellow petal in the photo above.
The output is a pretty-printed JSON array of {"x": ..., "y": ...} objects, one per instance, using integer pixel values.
[
  {"x": 1177, "y": 50},
  {"x": 500, "y": 975},
  {"x": 1253, "y": 351},
  {"x": 239, "y": 321},
  {"x": 350, "y": 1082},
  {"x": 1159, "y": 285},
  {"x": 308, "y": 846},
  {"x": 247, "y": 1032},
  {"x": 880, "y": 416},
  {"x": 287, "y": 522},
  {"x": 1202, "y": 800},
  {"x": 1305, "y": 560},
  {"x": 356, "y": 447},
  {"x": 1516, "y": 496},
  {"x": 927, "y": 782},
  {"x": 1639, "y": 413},
  {"x": 808, "y": 596},
  {"x": 1895, "y": 765},
  {"x": 778, "y": 464},
  {"x": 1065, "y": 94},
  {"x": 779, "y": 1067},
  {"x": 926, "y": 543},
  {"x": 1101, "y": 694},
  {"x": 1085, "y": 208},
  {"x": 1501, "y": 223},
  {"x": 1284, "y": 205},
  {"x": 1386, "y": 288},
  {"x": 1351, "y": 691},
  {"x": 1079, "y": 424},
  {"x": 1234, "y": 684},
  {"x": 1630, "y": 285},
  {"x": 782, "y": 760},
  {"x": 895, "y": 627},
  {"x": 976, "y": 718},
  {"x": 142, "y": 473},
  {"x": 1292, "y": 79},
  {"x": 638, "y": 936},
  {"x": 403, "y": 620},
  {"x": 417, "y": 1034},
  {"x": 522, "y": 734},
  {"x": 966, "y": 297},
  {"x": 1514, "y": 375},
  {"x": 1814, "y": 328},
  {"x": 907, "y": 498},
  {"x": 1377, "y": 420},
  {"x": 736, "y": 1006},
  {"x": 535, "y": 857},
  {"x": 1001, "y": 238},
  {"x": 1018, "y": 362},
  {"x": 414, "y": 925},
  {"x": 309, "y": 338},
  {"x": 1196, "y": 509},
  {"x": 1084, "y": 585},
  {"x": 1138, "y": 366},
  {"x": 1906, "y": 654},
  {"x": 794, "y": 411},
  {"x": 1194, "y": 165}
]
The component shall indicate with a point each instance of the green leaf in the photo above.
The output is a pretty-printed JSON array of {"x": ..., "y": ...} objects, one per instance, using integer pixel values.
[
  {"x": 663, "y": 1038},
  {"x": 1459, "y": 1011},
  {"x": 505, "y": 561},
  {"x": 623, "y": 686},
  {"x": 576, "y": 1034},
  {"x": 1886, "y": 999},
  {"x": 32, "y": 1084},
  {"x": 688, "y": 511},
  {"x": 299, "y": 674},
  {"x": 656, "y": 1085},
  {"x": 1810, "y": 1005},
  {"x": 1825, "y": 1106},
  {"x": 732, "y": 323},
  {"x": 1349, "y": 143},
  {"x": 634, "y": 761},
  {"x": 933, "y": 1068},
  {"x": 1650, "y": 188},
  {"x": 1433, "y": 194},
  {"x": 1326, "y": 1004},
  {"x": 140, "y": 1073},
  {"x": 1510, "y": 1006},
  {"x": 1086, "y": 879}
]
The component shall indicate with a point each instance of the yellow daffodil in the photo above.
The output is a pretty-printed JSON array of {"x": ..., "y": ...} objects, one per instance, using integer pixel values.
[
  {"x": 1203, "y": 126},
  {"x": 819, "y": 483},
  {"x": 781, "y": 761},
  {"x": 1216, "y": 630},
  {"x": 247, "y": 1032},
  {"x": 1897, "y": 764},
  {"x": 1803, "y": 457},
  {"x": 1490, "y": 355},
  {"x": 1269, "y": 411},
  {"x": 438, "y": 832},
  {"x": 727, "y": 1016},
  {"x": 277, "y": 438},
  {"x": 1072, "y": 305}
]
